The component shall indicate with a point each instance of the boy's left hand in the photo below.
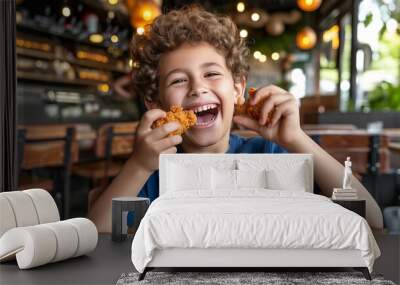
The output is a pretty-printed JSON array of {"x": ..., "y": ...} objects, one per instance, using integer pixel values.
[{"x": 284, "y": 126}]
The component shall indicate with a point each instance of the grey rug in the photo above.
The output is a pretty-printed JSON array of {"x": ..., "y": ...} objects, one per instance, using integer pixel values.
[{"x": 229, "y": 278}]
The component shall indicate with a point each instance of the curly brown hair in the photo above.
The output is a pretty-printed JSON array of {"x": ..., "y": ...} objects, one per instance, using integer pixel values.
[{"x": 190, "y": 24}]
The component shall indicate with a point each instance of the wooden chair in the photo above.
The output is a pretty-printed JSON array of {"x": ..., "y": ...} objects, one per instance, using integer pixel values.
[
  {"x": 113, "y": 141},
  {"x": 311, "y": 106},
  {"x": 51, "y": 147}
]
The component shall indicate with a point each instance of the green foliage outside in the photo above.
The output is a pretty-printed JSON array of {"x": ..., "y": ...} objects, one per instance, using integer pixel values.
[{"x": 385, "y": 97}]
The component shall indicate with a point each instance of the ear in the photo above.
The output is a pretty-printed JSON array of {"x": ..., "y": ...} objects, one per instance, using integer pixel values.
[
  {"x": 239, "y": 86},
  {"x": 150, "y": 103}
]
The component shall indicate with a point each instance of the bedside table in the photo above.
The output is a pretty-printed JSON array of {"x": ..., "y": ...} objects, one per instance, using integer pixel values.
[{"x": 357, "y": 206}]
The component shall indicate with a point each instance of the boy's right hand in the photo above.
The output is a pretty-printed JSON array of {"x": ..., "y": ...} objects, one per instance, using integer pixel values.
[{"x": 149, "y": 143}]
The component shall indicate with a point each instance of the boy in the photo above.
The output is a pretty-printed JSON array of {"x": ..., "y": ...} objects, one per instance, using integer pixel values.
[{"x": 197, "y": 60}]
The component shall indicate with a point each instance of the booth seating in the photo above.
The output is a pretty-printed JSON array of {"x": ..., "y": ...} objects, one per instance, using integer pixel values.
[
  {"x": 369, "y": 152},
  {"x": 113, "y": 141},
  {"x": 50, "y": 147}
]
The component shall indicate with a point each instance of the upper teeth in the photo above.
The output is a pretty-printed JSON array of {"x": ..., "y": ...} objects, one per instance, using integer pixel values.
[{"x": 204, "y": 108}]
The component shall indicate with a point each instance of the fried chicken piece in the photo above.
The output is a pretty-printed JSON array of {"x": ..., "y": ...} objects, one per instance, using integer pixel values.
[
  {"x": 252, "y": 111},
  {"x": 186, "y": 119}
]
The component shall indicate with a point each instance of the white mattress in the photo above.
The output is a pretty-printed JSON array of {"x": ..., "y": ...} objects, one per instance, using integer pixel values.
[{"x": 252, "y": 218}]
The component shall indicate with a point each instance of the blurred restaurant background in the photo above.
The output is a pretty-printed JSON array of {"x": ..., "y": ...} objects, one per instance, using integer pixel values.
[{"x": 76, "y": 115}]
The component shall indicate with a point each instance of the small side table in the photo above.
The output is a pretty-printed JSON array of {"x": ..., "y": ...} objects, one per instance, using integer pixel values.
[
  {"x": 357, "y": 206},
  {"x": 121, "y": 208}
]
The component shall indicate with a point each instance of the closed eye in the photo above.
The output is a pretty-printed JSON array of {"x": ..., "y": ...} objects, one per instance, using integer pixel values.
[
  {"x": 177, "y": 81},
  {"x": 212, "y": 74}
]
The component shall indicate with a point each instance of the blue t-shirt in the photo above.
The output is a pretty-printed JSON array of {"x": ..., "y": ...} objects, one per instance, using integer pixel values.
[{"x": 236, "y": 145}]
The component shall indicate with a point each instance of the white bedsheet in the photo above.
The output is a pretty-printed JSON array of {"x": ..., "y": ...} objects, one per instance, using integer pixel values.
[{"x": 252, "y": 218}]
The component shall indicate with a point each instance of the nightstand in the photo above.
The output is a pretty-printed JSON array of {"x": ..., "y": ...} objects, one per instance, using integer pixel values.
[
  {"x": 357, "y": 206},
  {"x": 121, "y": 208}
]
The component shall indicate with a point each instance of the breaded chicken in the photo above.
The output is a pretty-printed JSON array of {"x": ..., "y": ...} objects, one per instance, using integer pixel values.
[
  {"x": 252, "y": 111},
  {"x": 187, "y": 119}
]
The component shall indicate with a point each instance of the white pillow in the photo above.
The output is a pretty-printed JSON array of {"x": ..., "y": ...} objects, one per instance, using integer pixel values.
[
  {"x": 223, "y": 179},
  {"x": 284, "y": 174},
  {"x": 183, "y": 178},
  {"x": 228, "y": 179},
  {"x": 251, "y": 178},
  {"x": 281, "y": 181}
]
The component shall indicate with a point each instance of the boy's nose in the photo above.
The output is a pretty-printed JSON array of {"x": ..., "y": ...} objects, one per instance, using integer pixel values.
[{"x": 198, "y": 91}]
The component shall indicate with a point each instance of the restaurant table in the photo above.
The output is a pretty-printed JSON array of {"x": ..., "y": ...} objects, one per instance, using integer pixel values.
[
  {"x": 104, "y": 265},
  {"x": 393, "y": 133},
  {"x": 342, "y": 127},
  {"x": 394, "y": 146}
]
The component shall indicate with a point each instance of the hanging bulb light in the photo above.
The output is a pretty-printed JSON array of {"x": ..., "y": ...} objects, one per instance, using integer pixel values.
[
  {"x": 275, "y": 56},
  {"x": 66, "y": 11},
  {"x": 114, "y": 38},
  {"x": 243, "y": 33},
  {"x": 308, "y": 5},
  {"x": 306, "y": 38},
  {"x": 255, "y": 17},
  {"x": 262, "y": 58},
  {"x": 140, "y": 30},
  {"x": 257, "y": 54},
  {"x": 240, "y": 7},
  {"x": 143, "y": 12}
]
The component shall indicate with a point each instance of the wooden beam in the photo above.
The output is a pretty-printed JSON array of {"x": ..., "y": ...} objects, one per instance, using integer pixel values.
[{"x": 8, "y": 116}]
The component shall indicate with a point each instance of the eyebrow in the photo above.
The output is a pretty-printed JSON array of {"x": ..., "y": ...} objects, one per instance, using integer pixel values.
[{"x": 206, "y": 64}]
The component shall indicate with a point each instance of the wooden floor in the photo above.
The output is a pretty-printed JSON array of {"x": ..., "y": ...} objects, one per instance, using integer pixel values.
[{"x": 389, "y": 262}]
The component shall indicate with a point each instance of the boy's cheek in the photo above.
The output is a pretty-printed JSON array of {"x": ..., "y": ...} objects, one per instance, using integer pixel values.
[{"x": 173, "y": 99}]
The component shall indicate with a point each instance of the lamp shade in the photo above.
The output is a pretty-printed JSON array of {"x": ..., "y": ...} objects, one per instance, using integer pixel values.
[
  {"x": 143, "y": 12},
  {"x": 308, "y": 5},
  {"x": 306, "y": 38},
  {"x": 275, "y": 26}
]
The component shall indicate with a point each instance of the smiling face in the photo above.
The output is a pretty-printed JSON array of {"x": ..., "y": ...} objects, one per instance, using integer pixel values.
[{"x": 196, "y": 77}]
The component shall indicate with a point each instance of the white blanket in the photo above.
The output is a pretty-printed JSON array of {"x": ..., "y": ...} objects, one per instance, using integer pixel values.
[{"x": 252, "y": 218}]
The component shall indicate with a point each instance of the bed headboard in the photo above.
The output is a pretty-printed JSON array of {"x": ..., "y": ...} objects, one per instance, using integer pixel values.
[{"x": 297, "y": 168}]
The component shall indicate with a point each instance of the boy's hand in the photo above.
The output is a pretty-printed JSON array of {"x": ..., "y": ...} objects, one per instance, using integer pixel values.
[
  {"x": 149, "y": 143},
  {"x": 284, "y": 125}
]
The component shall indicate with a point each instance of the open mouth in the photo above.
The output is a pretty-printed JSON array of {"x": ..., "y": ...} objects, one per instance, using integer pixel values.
[{"x": 206, "y": 114}]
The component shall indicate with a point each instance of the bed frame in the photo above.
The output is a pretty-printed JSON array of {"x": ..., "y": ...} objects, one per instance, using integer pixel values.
[
  {"x": 248, "y": 259},
  {"x": 260, "y": 259}
]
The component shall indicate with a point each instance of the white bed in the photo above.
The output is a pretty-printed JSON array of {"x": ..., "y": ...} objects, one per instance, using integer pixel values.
[{"x": 202, "y": 219}]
